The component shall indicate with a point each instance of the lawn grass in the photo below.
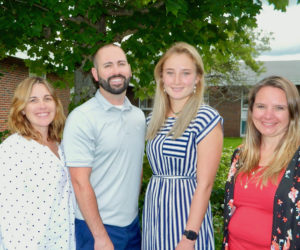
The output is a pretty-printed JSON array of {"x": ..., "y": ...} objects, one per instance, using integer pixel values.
[{"x": 232, "y": 142}]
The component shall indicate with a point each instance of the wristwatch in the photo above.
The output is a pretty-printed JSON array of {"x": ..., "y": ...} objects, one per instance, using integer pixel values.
[{"x": 190, "y": 235}]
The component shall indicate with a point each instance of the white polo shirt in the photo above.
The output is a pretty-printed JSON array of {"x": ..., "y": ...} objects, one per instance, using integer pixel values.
[{"x": 110, "y": 140}]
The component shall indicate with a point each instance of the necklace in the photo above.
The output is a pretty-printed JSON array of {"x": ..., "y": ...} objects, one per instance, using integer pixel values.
[
  {"x": 251, "y": 177},
  {"x": 175, "y": 113}
]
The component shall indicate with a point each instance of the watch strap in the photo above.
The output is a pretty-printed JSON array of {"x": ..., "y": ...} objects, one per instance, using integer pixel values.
[{"x": 190, "y": 235}]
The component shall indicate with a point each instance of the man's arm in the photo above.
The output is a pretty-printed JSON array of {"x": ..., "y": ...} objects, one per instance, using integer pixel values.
[{"x": 87, "y": 203}]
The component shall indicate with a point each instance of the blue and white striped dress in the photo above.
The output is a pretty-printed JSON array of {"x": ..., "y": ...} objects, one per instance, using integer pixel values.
[{"x": 171, "y": 188}]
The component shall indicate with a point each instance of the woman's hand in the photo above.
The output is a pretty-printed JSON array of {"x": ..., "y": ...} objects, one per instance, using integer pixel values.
[{"x": 186, "y": 244}]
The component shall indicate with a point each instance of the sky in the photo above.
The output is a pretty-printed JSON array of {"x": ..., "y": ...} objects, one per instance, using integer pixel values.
[{"x": 286, "y": 31}]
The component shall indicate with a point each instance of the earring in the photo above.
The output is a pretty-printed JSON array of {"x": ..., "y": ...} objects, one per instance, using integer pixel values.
[
  {"x": 23, "y": 112},
  {"x": 194, "y": 89},
  {"x": 164, "y": 90}
]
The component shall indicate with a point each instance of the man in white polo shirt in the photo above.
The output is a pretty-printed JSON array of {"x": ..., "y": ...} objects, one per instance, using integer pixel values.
[{"x": 104, "y": 146}]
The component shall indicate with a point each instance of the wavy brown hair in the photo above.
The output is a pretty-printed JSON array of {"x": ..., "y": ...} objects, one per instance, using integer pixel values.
[
  {"x": 289, "y": 143},
  {"x": 161, "y": 105},
  {"x": 18, "y": 123}
]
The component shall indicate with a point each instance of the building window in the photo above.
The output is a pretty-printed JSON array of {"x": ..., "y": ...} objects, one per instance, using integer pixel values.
[
  {"x": 243, "y": 128},
  {"x": 244, "y": 111},
  {"x": 146, "y": 105}
]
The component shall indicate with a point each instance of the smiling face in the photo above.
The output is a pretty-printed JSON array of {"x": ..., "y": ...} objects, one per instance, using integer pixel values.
[
  {"x": 40, "y": 109},
  {"x": 270, "y": 113},
  {"x": 112, "y": 70},
  {"x": 179, "y": 77}
]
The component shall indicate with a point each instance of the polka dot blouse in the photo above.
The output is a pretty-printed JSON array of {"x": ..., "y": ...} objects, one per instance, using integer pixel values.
[{"x": 36, "y": 197}]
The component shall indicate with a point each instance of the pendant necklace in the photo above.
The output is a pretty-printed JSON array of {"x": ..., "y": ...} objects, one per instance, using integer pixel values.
[
  {"x": 251, "y": 177},
  {"x": 175, "y": 113}
]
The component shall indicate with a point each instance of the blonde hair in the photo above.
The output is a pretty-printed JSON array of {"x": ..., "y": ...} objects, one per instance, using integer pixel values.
[
  {"x": 18, "y": 123},
  {"x": 161, "y": 105},
  {"x": 250, "y": 151}
]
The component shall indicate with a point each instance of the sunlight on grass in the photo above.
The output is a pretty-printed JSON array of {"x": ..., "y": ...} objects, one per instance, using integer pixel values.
[{"x": 232, "y": 142}]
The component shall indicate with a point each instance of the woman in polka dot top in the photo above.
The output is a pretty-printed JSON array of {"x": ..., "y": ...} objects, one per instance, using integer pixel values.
[{"x": 36, "y": 198}]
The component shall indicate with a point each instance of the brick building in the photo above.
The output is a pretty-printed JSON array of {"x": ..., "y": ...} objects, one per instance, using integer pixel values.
[
  {"x": 231, "y": 102},
  {"x": 12, "y": 72},
  {"x": 227, "y": 101}
]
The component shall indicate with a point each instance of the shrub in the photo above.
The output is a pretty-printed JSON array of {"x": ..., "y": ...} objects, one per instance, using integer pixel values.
[
  {"x": 217, "y": 195},
  {"x": 3, "y": 135}
]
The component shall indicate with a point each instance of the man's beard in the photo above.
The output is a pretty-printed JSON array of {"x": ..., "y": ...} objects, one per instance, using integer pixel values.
[{"x": 115, "y": 91}]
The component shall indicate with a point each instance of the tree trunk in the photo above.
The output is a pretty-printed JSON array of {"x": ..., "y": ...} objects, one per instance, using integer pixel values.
[{"x": 84, "y": 86}]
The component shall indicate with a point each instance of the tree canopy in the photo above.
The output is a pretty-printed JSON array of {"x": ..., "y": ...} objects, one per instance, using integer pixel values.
[{"x": 63, "y": 34}]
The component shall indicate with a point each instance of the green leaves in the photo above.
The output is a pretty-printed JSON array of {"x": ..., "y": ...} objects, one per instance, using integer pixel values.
[
  {"x": 62, "y": 35},
  {"x": 176, "y": 6},
  {"x": 280, "y": 4}
]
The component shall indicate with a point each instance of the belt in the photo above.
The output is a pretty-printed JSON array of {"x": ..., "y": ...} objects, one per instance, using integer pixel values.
[{"x": 173, "y": 176}]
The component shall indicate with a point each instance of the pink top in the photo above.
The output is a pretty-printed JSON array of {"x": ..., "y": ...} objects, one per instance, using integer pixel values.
[{"x": 251, "y": 224}]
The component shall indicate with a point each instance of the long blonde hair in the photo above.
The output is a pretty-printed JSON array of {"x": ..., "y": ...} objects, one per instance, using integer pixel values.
[
  {"x": 161, "y": 105},
  {"x": 18, "y": 123},
  {"x": 250, "y": 151}
]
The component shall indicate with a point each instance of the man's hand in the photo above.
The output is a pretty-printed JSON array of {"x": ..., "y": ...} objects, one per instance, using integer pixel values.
[{"x": 103, "y": 244}]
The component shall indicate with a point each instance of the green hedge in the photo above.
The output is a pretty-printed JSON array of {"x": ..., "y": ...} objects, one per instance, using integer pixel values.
[
  {"x": 217, "y": 195},
  {"x": 3, "y": 135}
]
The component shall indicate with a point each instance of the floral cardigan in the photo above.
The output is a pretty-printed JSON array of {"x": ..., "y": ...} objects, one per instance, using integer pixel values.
[{"x": 286, "y": 211}]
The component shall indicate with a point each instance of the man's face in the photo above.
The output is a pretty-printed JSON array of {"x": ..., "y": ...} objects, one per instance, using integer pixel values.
[{"x": 112, "y": 70}]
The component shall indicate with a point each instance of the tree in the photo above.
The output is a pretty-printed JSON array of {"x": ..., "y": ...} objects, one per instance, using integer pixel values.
[{"x": 63, "y": 34}]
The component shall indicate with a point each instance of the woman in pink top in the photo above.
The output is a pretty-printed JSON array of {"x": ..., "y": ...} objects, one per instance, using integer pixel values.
[{"x": 262, "y": 200}]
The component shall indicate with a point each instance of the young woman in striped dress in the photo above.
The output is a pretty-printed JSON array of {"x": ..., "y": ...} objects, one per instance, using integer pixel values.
[{"x": 184, "y": 148}]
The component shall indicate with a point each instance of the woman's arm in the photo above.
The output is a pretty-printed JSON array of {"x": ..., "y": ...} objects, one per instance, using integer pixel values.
[{"x": 209, "y": 152}]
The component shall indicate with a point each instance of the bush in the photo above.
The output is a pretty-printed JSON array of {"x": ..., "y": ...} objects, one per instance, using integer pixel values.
[
  {"x": 217, "y": 195},
  {"x": 147, "y": 173},
  {"x": 3, "y": 135}
]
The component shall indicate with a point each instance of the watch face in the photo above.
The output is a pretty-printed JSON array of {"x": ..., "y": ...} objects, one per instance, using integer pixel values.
[{"x": 191, "y": 235}]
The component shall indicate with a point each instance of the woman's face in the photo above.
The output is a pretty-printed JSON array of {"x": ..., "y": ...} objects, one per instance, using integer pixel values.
[
  {"x": 270, "y": 112},
  {"x": 41, "y": 108},
  {"x": 179, "y": 76}
]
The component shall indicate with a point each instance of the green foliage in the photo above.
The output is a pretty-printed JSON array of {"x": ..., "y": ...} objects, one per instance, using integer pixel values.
[
  {"x": 217, "y": 195},
  {"x": 62, "y": 35},
  {"x": 147, "y": 173},
  {"x": 280, "y": 4},
  {"x": 218, "y": 192},
  {"x": 3, "y": 135}
]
